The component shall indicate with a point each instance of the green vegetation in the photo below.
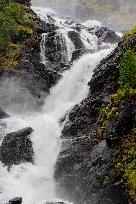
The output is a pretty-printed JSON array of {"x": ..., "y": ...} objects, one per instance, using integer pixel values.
[
  {"x": 129, "y": 34},
  {"x": 128, "y": 70},
  {"x": 126, "y": 165},
  {"x": 17, "y": 24},
  {"x": 10, "y": 15},
  {"x": 119, "y": 136}
]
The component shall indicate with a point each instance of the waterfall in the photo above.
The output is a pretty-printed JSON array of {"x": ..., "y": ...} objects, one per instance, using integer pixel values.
[
  {"x": 42, "y": 46},
  {"x": 35, "y": 182}
]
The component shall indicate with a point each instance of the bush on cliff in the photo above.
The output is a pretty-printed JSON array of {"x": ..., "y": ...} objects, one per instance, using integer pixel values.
[
  {"x": 10, "y": 14},
  {"x": 128, "y": 70}
]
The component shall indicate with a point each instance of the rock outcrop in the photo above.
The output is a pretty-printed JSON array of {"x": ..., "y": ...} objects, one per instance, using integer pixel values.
[
  {"x": 106, "y": 35},
  {"x": 16, "y": 148},
  {"x": 3, "y": 114},
  {"x": 15, "y": 201}
]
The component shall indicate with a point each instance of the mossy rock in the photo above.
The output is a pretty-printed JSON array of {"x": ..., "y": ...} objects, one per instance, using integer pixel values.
[{"x": 126, "y": 165}]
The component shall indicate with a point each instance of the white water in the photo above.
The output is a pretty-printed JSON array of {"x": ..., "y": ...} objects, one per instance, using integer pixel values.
[
  {"x": 42, "y": 46},
  {"x": 35, "y": 183}
]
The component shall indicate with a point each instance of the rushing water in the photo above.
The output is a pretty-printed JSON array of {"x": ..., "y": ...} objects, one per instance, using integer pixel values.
[{"x": 35, "y": 182}]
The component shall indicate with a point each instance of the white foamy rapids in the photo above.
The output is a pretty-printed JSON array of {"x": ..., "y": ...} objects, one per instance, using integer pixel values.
[
  {"x": 42, "y": 46},
  {"x": 35, "y": 183},
  {"x": 43, "y": 12},
  {"x": 92, "y": 24},
  {"x": 69, "y": 45},
  {"x": 89, "y": 40}
]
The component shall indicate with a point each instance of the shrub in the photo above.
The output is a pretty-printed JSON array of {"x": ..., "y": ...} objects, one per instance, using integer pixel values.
[
  {"x": 128, "y": 70},
  {"x": 10, "y": 14}
]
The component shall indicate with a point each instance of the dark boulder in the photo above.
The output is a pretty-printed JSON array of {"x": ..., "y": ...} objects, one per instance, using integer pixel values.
[
  {"x": 100, "y": 31},
  {"x": 106, "y": 35},
  {"x": 17, "y": 147},
  {"x": 23, "y": 1},
  {"x": 17, "y": 200},
  {"x": 76, "y": 54},
  {"x": 76, "y": 39},
  {"x": 3, "y": 114}
]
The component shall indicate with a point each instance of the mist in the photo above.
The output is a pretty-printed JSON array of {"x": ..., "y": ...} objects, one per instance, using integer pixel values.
[{"x": 117, "y": 14}]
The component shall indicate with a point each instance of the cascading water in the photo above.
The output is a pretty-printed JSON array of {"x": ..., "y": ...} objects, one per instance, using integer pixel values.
[
  {"x": 35, "y": 182},
  {"x": 42, "y": 56}
]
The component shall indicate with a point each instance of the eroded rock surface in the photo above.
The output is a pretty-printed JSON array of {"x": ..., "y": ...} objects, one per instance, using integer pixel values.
[{"x": 17, "y": 147}]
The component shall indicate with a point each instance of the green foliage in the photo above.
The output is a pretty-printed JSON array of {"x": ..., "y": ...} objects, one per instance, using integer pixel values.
[
  {"x": 128, "y": 70},
  {"x": 129, "y": 34},
  {"x": 126, "y": 165},
  {"x": 10, "y": 14}
]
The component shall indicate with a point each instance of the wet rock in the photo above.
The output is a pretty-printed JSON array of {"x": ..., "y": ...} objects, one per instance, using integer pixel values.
[
  {"x": 76, "y": 54},
  {"x": 17, "y": 200},
  {"x": 76, "y": 39},
  {"x": 55, "y": 50},
  {"x": 33, "y": 76},
  {"x": 3, "y": 114},
  {"x": 121, "y": 126},
  {"x": 100, "y": 31},
  {"x": 106, "y": 35},
  {"x": 17, "y": 147},
  {"x": 86, "y": 174}
]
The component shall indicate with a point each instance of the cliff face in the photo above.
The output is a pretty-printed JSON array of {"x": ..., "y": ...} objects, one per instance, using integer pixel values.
[{"x": 97, "y": 161}]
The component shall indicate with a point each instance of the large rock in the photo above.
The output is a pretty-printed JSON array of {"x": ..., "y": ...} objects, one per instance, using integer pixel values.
[
  {"x": 106, "y": 35},
  {"x": 76, "y": 39},
  {"x": 3, "y": 114},
  {"x": 55, "y": 45},
  {"x": 17, "y": 147},
  {"x": 17, "y": 200}
]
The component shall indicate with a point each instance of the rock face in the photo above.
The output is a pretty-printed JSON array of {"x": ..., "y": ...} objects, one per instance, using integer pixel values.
[
  {"x": 17, "y": 147},
  {"x": 3, "y": 114},
  {"x": 87, "y": 170},
  {"x": 124, "y": 123},
  {"x": 106, "y": 35},
  {"x": 76, "y": 39},
  {"x": 84, "y": 170}
]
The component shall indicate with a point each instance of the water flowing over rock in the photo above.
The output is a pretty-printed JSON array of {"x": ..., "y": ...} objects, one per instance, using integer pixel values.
[
  {"x": 77, "y": 180},
  {"x": 64, "y": 65}
]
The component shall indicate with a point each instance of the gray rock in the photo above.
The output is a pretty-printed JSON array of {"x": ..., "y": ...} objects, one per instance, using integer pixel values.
[
  {"x": 16, "y": 148},
  {"x": 3, "y": 114},
  {"x": 16, "y": 200},
  {"x": 106, "y": 35}
]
